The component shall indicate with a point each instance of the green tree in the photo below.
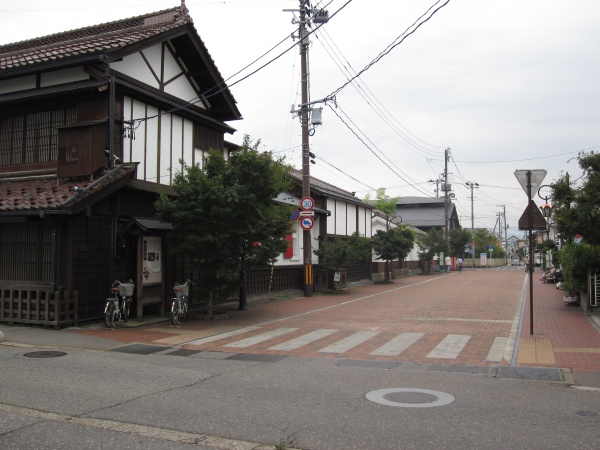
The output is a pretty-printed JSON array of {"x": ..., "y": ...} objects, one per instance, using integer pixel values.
[
  {"x": 393, "y": 244},
  {"x": 577, "y": 207},
  {"x": 386, "y": 207},
  {"x": 225, "y": 218},
  {"x": 458, "y": 239},
  {"x": 483, "y": 239},
  {"x": 431, "y": 244},
  {"x": 335, "y": 254},
  {"x": 385, "y": 204}
]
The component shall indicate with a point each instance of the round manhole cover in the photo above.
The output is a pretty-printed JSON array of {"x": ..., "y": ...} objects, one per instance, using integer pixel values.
[
  {"x": 410, "y": 398},
  {"x": 586, "y": 413},
  {"x": 45, "y": 354}
]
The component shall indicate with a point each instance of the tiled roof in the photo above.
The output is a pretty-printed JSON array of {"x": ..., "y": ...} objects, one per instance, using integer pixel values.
[
  {"x": 327, "y": 188},
  {"x": 45, "y": 194},
  {"x": 34, "y": 195},
  {"x": 92, "y": 40}
]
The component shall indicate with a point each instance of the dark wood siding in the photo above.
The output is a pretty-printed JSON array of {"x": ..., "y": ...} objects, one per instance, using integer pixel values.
[
  {"x": 91, "y": 263},
  {"x": 82, "y": 150},
  {"x": 26, "y": 253},
  {"x": 207, "y": 138}
]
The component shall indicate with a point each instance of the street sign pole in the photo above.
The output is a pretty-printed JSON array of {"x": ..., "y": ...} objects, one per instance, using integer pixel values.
[
  {"x": 530, "y": 179},
  {"x": 531, "y": 262}
]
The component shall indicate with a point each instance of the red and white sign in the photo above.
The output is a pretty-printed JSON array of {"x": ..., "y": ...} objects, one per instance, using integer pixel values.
[
  {"x": 307, "y": 213},
  {"x": 307, "y": 203},
  {"x": 307, "y": 223}
]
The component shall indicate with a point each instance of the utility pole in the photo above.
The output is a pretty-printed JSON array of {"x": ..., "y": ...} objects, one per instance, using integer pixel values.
[
  {"x": 437, "y": 186},
  {"x": 306, "y": 234},
  {"x": 472, "y": 186},
  {"x": 317, "y": 16},
  {"x": 505, "y": 234},
  {"x": 446, "y": 158}
]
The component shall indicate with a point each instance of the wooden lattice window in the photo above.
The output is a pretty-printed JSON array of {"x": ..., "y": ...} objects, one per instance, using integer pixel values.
[{"x": 32, "y": 137}]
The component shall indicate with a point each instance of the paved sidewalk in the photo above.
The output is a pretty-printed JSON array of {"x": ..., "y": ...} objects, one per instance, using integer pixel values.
[{"x": 476, "y": 312}]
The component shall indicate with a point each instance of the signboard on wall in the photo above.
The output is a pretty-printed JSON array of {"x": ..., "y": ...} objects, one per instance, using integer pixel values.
[{"x": 152, "y": 260}]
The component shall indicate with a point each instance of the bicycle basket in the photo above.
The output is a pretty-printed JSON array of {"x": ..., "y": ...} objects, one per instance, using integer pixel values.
[
  {"x": 126, "y": 289},
  {"x": 183, "y": 291}
]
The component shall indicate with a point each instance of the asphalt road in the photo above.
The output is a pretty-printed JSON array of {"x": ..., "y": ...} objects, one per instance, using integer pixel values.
[
  {"x": 162, "y": 388},
  {"x": 160, "y": 401}
]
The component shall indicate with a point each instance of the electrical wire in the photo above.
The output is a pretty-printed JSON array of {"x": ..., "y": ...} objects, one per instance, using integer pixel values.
[
  {"x": 399, "y": 40},
  {"x": 371, "y": 150}
]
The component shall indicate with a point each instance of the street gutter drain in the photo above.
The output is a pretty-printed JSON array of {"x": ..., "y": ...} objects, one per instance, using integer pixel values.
[{"x": 44, "y": 354}]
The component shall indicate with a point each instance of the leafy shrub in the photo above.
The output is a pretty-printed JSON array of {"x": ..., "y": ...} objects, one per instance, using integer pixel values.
[{"x": 577, "y": 260}]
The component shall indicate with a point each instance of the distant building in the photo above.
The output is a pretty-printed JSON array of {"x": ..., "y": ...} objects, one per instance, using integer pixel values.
[{"x": 425, "y": 213}]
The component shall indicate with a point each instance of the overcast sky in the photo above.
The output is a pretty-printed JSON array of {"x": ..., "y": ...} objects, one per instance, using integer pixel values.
[{"x": 505, "y": 84}]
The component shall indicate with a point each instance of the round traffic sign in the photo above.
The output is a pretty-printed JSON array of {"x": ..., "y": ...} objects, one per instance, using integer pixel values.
[
  {"x": 295, "y": 214},
  {"x": 307, "y": 222},
  {"x": 307, "y": 203}
]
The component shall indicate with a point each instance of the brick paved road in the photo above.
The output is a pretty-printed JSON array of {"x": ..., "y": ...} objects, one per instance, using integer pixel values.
[{"x": 476, "y": 318}]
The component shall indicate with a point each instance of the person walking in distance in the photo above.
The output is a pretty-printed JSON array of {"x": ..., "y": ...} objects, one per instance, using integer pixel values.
[
  {"x": 447, "y": 262},
  {"x": 460, "y": 263}
]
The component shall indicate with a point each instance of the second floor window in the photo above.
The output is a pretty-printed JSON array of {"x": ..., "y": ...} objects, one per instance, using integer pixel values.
[{"x": 33, "y": 137}]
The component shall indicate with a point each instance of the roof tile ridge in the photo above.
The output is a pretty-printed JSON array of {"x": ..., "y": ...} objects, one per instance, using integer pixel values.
[{"x": 21, "y": 47}]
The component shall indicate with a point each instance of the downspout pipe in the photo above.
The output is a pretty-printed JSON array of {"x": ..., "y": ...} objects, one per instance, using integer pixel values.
[{"x": 111, "y": 116}]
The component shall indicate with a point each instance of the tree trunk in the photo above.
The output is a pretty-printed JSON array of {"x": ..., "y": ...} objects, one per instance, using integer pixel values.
[
  {"x": 209, "y": 304},
  {"x": 243, "y": 295}
]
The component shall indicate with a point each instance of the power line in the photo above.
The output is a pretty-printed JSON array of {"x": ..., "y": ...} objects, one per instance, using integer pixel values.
[{"x": 399, "y": 40}]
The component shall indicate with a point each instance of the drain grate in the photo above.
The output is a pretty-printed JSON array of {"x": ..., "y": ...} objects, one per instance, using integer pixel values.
[{"x": 44, "y": 354}]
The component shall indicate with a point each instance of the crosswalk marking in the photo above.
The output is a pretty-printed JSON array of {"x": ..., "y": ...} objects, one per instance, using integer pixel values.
[
  {"x": 218, "y": 337},
  {"x": 348, "y": 343},
  {"x": 450, "y": 347},
  {"x": 398, "y": 344},
  {"x": 496, "y": 352},
  {"x": 303, "y": 340},
  {"x": 261, "y": 337}
]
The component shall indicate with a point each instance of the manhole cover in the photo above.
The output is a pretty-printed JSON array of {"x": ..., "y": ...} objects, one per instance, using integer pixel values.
[
  {"x": 44, "y": 354},
  {"x": 587, "y": 413},
  {"x": 410, "y": 398}
]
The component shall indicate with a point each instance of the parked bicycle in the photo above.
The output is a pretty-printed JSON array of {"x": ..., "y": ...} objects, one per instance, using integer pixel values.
[
  {"x": 118, "y": 306},
  {"x": 179, "y": 307}
]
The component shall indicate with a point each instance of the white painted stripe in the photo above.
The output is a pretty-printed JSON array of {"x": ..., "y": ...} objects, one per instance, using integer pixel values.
[
  {"x": 261, "y": 337},
  {"x": 349, "y": 342},
  {"x": 496, "y": 353},
  {"x": 450, "y": 347},
  {"x": 398, "y": 344},
  {"x": 455, "y": 319},
  {"x": 218, "y": 337},
  {"x": 303, "y": 340}
]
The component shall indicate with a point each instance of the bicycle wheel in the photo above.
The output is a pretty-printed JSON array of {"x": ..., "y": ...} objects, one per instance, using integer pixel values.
[
  {"x": 125, "y": 312},
  {"x": 109, "y": 314},
  {"x": 184, "y": 309},
  {"x": 175, "y": 312}
]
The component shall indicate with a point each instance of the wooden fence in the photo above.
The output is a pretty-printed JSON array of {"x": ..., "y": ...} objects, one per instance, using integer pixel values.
[{"x": 38, "y": 305}]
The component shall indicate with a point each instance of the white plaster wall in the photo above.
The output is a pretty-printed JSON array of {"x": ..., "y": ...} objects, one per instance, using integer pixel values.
[
  {"x": 350, "y": 219},
  {"x": 135, "y": 67}
]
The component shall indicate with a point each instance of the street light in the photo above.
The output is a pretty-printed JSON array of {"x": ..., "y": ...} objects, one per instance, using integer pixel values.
[{"x": 546, "y": 208}]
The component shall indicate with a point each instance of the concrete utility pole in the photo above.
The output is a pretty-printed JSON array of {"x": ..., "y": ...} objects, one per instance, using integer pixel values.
[
  {"x": 472, "y": 186},
  {"x": 306, "y": 234},
  {"x": 446, "y": 158},
  {"x": 505, "y": 234}
]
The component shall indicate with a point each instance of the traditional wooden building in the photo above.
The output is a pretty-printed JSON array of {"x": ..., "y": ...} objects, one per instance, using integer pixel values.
[{"x": 93, "y": 124}]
